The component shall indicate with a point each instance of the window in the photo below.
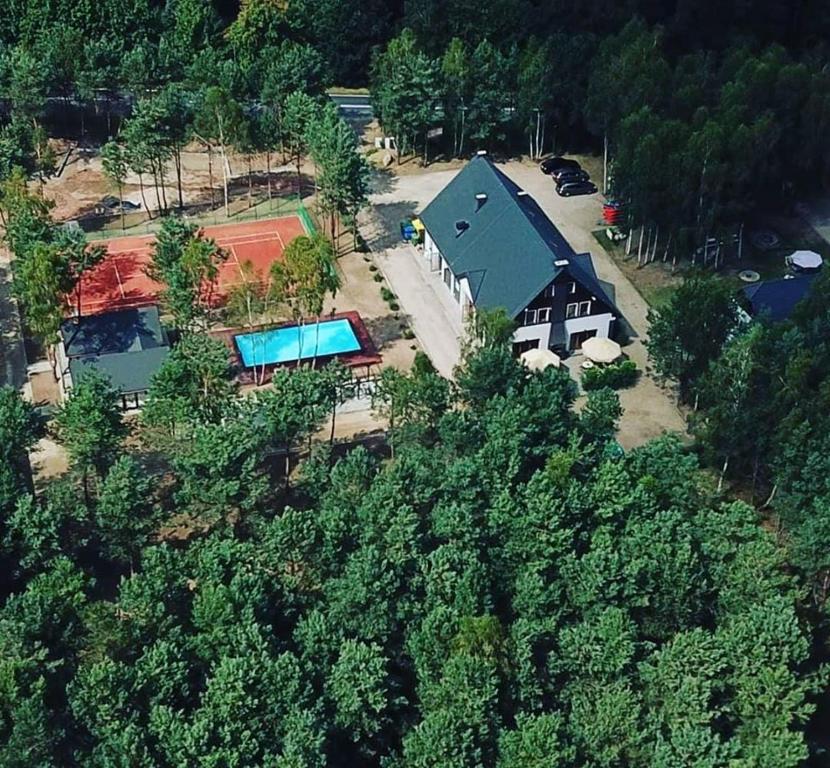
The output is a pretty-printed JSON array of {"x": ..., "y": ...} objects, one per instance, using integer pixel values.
[
  {"x": 571, "y": 310},
  {"x": 571, "y": 287},
  {"x": 523, "y": 346},
  {"x": 584, "y": 308},
  {"x": 456, "y": 290},
  {"x": 447, "y": 277},
  {"x": 548, "y": 292},
  {"x": 530, "y": 317},
  {"x": 543, "y": 315}
]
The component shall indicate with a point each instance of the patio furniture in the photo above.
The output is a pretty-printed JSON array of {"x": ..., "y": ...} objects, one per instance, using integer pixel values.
[
  {"x": 804, "y": 261},
  {"x": 539, "y": 359},
  {"x": 601, "y": 350}
]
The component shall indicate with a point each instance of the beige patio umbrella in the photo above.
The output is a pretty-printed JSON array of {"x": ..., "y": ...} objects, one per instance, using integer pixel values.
[
  {"x": 539, "y": 359},
  {"x": 601, "y": 350}
]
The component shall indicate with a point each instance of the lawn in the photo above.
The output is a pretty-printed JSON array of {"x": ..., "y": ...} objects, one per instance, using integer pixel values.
[{"x": 654, "y": 282}]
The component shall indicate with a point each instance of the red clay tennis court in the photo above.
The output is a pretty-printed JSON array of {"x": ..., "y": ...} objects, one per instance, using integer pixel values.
[{"x": 119, "y": 281}]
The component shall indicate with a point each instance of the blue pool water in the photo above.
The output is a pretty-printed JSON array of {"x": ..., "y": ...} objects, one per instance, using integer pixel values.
[{"x": 282, "y": 345}]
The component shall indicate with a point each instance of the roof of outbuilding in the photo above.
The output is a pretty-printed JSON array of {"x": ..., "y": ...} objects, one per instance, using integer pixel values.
[
  {"x": 509, "y": 248},
  {"x": 128, "y": 330},
  {"x": 776, "y": 299},
  {"x": 127, "y": 346},
  {"x": 127, "y": 371}
]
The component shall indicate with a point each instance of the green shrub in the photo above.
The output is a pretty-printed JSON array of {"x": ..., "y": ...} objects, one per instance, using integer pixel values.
[
  {"x": 377, "y": 277},
  {"x": 373, "y": 267},
  {"x": 408, "y": 333},
  {"x": 386, "y": 294},
  {"x": 616, "y": 375},
  {"x": 394, "y": 306}
]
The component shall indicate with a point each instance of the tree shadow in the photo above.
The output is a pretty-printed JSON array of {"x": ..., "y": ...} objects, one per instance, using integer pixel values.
[
  {"x": 388, "y": 328},
  {"x": 382, "y": 227},
  {"x": 382, "y": 181},
  {"x": 12, "y": 355}
]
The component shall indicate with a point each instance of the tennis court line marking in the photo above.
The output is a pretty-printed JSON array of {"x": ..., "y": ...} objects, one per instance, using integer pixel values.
[
  {"x": 279, "y": 237},
  {"x": 118, "y": 278},
  {"x": 242, "y": 239}
]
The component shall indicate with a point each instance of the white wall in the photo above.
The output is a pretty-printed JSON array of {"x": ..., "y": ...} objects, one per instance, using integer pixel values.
[
  {"x": 540, "y": 331},
  {"x": 431, "y": 252},
  {"x": 600, "y": 323}
]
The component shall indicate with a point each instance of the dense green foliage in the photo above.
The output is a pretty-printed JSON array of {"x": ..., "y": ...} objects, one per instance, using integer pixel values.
[
  {"x": 763, "y": 423},
  {"x": 707, "y": 111},
  {"x": 508, "y": 590},
  {"x": 689, "y": 331},
  {"x": 619, "y": 375}
]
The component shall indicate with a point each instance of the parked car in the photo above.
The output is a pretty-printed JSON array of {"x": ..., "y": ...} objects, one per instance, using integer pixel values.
[
  {"x": 576, "y": 188},
  {"x": 560, "y": 173},
  {"x": 566, "y": 177},
  {"x": 114, "y": 204},
  {"x": 558, "y": 163}
]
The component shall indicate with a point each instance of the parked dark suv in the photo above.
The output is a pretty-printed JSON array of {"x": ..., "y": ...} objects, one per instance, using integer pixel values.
[
  {"x": 553, "y": 164},
  {"x": 566, "y": 177}
]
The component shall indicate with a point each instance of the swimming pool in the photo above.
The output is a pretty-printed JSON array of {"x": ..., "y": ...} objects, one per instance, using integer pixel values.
[{"x": 282, "y": 345}]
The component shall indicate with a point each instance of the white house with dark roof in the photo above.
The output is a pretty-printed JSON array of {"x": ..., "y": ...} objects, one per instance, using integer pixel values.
[{"x": 495, "y": 247}]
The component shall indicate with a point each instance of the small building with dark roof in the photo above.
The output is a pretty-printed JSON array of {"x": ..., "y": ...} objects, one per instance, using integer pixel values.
[
  {"x": 128, "y": 346},
  {"x": 495, "y": 248},
  {"x": 776, "y": 299}
]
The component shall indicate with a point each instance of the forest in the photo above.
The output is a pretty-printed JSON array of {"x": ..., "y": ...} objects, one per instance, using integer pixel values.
[
  {"x": 497, "y": 583},
  {"x": 506, "y": 589},
  {"x": 706, "y": 111}
]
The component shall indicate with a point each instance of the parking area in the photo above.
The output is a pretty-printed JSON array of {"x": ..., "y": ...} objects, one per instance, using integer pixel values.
[{"x": 649, "y": 409}]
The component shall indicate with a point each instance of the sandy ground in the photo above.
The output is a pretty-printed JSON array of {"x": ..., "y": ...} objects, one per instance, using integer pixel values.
[
  {"x": 82, "y": 185},
  {"x": 49, "y": 459}
]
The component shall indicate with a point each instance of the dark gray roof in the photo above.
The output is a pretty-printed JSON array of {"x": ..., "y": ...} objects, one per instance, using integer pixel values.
[
  {"x": 776, "y": 299},
  {"x": 128, "y": 330},
  {"x": 509, "y": 246},
  {"x": 128, "y": 346},
  {"x": 127, "y": 371}
]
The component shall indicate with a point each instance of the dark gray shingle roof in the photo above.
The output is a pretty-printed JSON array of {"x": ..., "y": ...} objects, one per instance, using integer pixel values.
[
  {"x": 127, "y": 330},
  {"x": 127, "y": 371},
  {"x": 776, "y": 299},
  {"x": 509, "y": 248},
  {"x": 127, "y": 346}
]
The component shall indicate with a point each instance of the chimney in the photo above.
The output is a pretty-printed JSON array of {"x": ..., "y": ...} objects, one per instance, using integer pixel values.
[{"x": 481, "y": 198}]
